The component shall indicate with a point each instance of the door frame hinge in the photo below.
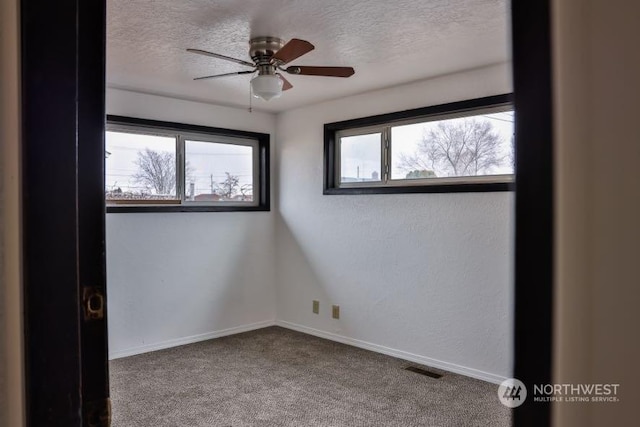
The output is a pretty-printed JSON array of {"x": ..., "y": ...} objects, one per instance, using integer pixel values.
[{"x": 97, "y": 413}]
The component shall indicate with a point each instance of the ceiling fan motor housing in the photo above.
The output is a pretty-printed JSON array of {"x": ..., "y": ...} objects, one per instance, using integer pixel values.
[{"x": 261, "y": 49}]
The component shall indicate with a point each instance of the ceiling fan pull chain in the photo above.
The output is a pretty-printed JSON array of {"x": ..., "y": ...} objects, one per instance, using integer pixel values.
[{"x": 250, "y": 100}]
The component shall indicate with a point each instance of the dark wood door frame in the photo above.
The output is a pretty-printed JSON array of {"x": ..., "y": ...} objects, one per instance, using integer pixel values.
[
  {"x": 62, "y": 72},
  {"x": 532, "y": 80}
]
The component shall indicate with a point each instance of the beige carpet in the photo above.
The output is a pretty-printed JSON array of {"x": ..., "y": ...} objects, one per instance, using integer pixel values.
[{"x": 278, "y": 377}]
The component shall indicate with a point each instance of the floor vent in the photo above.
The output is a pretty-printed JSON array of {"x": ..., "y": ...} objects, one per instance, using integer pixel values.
[{"x": 423, "y": 372}]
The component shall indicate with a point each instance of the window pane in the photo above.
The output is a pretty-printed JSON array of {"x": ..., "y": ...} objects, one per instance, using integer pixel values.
[
  {"x": 140, "y": 167},
  {"x": 469, "y": 146},
  {"x": 217, "y": 172},
  {"x": 360, "y": 158}
]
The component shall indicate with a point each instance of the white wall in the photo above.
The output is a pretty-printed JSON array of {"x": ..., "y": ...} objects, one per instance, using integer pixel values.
[
  {"x": 597, "y": 64},
  {"x": 177, "y": 277},
  {"x": 424, "y": 276},
  {"x": 11, "y": 352}
]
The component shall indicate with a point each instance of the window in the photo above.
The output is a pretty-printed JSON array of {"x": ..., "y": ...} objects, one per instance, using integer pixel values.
[
  {"x": 153, "y": 166},
  {"x": 462, "y": 146}
]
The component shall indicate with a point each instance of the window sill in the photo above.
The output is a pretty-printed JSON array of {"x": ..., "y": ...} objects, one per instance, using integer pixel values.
[
  {"x": 184, "y": 208},
  {"x": 479, "y": 187}
]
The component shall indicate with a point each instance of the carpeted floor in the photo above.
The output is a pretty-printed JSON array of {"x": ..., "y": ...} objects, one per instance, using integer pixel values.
[{"x": 278, "y": 377}]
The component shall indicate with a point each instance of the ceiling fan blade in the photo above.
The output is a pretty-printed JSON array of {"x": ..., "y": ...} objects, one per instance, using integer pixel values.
[
  {"x": 295, "y": 48},
  {"x": 321, "y": 71},
  {"x": 225, "y": 74},
  {"x": 226, "y": 58},
  {"x": 285, "y": 83}
]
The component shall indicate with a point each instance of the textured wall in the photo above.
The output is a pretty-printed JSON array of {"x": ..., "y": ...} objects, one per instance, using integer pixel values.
[
  {"x": 425, "y": 274},
  {"x": 173, "y": 277}
]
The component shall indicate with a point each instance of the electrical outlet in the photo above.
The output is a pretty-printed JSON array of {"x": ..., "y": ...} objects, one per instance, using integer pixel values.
[
  {"x": 335, "y": 311},
  {"x": 316, "y": 306}
]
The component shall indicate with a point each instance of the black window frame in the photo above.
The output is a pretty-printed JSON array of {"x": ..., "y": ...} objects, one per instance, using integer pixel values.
[
  {"x": 331, "y": 186},
  {"x": 263, "y": 192}
]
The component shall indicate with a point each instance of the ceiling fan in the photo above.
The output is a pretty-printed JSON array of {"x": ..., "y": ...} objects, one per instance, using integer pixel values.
[{"x": 269, "y": 55}]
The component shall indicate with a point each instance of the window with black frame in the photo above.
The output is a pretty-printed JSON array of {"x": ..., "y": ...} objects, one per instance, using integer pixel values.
[
  {"x": 456, "y": 147},
  {"x": 162, "y": 166}
]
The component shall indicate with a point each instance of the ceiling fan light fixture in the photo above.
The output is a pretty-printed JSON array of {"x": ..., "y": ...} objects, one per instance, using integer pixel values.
[{"x": 266, "y": 86}]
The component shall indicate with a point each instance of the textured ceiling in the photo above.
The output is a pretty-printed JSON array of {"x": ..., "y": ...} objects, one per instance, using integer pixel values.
[{"x": 387, "y": 42}]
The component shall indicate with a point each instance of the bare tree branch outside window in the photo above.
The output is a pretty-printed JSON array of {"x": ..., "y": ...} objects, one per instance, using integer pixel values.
[
  {"x": 229, "y": 187},
  {"x": 156, "y": 171},
  {"x": 246, "y": 191},
  {"x": 466, "y": 148}
]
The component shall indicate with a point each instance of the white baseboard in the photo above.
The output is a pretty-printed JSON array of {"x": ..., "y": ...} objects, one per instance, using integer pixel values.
[
  {"x": 189, "y": 340},
  {"x": 416, "y": 358},
  {"x": 423, "y": 360}
]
